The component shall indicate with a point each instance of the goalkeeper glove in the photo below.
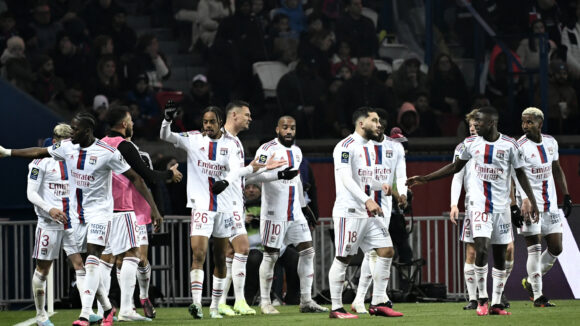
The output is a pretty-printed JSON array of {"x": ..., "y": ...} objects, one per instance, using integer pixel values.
[
  {"x": 567, "y": 207},
  {"x": 170, "y": 110},
  {"x": 517, "y": 218},
  {"x": 219, "y": 186}
]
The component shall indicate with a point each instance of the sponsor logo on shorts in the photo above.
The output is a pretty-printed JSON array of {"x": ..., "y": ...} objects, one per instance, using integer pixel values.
[
  {"x": 344, "y": 157},
  {"x": 262, "y": 159},
  {"x": 34, "y": 173},
  {"x": 229, "y": 223},
  {"x": 554, "y": 218},
  {"x": 504, "y": 228}
]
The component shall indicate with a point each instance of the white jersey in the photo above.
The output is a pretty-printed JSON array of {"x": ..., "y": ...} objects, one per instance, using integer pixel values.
[
  {"x": 51, "y": 179},
  {"x": 208, "y": 161},
  {"x": 281, "y": 198},
  {"x": 490, "y": 181},
  {"x": 538, "y": 158},
  {"x": 91, "y": 177},
  {"x": 354, "y": 159},
  {"x": 389, "y": 161},
  {"x": 461, "y": 178},
  {"x": 235, "y": 191}
]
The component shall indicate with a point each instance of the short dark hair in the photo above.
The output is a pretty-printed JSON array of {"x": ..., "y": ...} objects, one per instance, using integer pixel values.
[
  {"x": 116, "y": 114},
  {"x": 86, "y": 120},
  {"x": 217, "y": 111},
  {"x": 489, "y": 110},
  {"x": 236, "y": 104},
  {"x": 361, "y": 112}
]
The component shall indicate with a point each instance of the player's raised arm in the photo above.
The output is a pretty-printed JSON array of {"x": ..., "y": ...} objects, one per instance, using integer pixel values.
[
  {"x": 31, "y": 152},
  {"x": 447, "y": 170},
  {"x": 165, "y": 133}
]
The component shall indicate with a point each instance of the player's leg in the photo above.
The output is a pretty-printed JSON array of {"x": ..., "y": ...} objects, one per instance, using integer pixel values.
[
  {"x": 305, "y": 267},
  {"x": 347, "y": 234},
  {"x": 106, "y": 264},
  {"x": 469, "y": 275},
  {"x": 220, "y": 246},
  {"x": 199, "y": 251},
  {"x": 482, "y": 227},
  {"x": 501, "y": 238},
  {"x": 144, "y": 273},
  {"x": 271, "y": 233},
  {"x": 550, "y": 255},
  {"x": 241, "y": 247},
  {"x": 39, "y": 290},
  {"x": 223, "y": 307},
  {"x": 364, "y": 282},
  {"x": 509, "y": 265}
]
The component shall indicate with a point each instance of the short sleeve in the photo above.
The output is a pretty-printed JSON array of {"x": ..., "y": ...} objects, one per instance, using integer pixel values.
[
  {"x": 556, "y": 151},
  {"x": 58, "y": 150},
  {"x": 117, "y": 163},
  {"x": 458, "y": 150},
  {"x": 517, "y": 157},
  {"x": 464, "y": 151}
]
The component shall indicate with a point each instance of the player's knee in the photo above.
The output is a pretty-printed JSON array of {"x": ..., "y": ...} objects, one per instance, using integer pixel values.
[
  {"x": 555, "y": 250},
  {"x": 198, "y": 255}
]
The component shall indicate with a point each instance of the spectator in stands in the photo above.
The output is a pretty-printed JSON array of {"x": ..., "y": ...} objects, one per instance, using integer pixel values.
[
  {"x": 363, "y": 89},
  {"x": 15, "y": 67},
  {"x": 46, "y": 30},
  {"x": 563, "y": 110},
  {"x": 124, "y": 37},
  {"x": 430, "y": 119},
  {"x": 529, "y": 51},
  {"x": 196, "y": 100},
  {"x": 447, "y": 86},
  {"x": 105, "y": 81},
  {"x": 7, "y": 28},
  {"x": 408, "y": 120},
  {"x": 100, "y": 110},
  {"x": 15, "y": 48},
  {"x": 549, "y": 12},
  {"x": 150, "y": 61},
  {"x": 293, "y": 9},
  {"x": 571, "y": 40},
  {"x": 478, "y": 101},
  {"x": 318, "y": 47},
  {"x": 68, "y": 102},
  {"x": 70, "y": 63},
  {"x": 98, "y": 15},
  {"x": 261, "y": 15},
  {"x": 63, "y": 10},
  {"x": 301, "y": 94},
  {"x": 205, "y": 20},
  {"x": 281, "y": 41},
  {"x": 47, "y": 84},
  {"x": 342, "y": 58},
  {"x": 408, "y": 80},
  {"x": 146, "y": 116},
  {"x": 102, "y": 46},
  {"x": 358, "y": 30}
]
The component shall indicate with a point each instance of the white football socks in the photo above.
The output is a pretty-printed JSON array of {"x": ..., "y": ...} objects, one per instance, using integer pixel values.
[
  {"x": 39, "y": 291},
  {"x": 381, "y": 275},
  {"x": 499, "y": 279},
  {"x": 306, "y": 274},
  {"x": 470, "y": 280},
  {"x": 534, "y": 269},
  {"x": 239, "y": 275},
  {"x": 143, "y": 278},
  {"x": 481, "y": 280},
  {"x": 196, "y": 278},
  {"x": 228, "y": 282},
  {"x": 266, "y": 276},
  {"x": 336, "y": 276}
]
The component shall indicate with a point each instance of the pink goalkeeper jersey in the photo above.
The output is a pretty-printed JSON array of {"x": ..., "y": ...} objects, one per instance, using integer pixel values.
[{"x": 123, "y": 189}]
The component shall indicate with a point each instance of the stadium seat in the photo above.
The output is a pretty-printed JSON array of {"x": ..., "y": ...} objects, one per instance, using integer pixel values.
[
  {"x": 370, "y": 14},
  {"x": 269, "y": 73},
  {"x": 162, "y": 242},
  {"x": 383, "y": 66},
  {"x": 392, "y": 51}
]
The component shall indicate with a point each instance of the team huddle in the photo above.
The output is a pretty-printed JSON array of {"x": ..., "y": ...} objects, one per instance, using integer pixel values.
[{"x": 93, "y": 198}]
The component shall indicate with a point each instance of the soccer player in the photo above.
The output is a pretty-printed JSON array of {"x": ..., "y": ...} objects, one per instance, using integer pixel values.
[
  {"x": 213, "y": 163},
  {"x": 493, "y": 155},
  {"x": 281, "y": 219},
  {"x": 461, "y": 178},
  {"x": 389, "y": 162},
  {"x": 355, "y": 213},
  {"x": 540, "y": 152},
  {"x": 91, "y": 162},
  {"x": 48, "y": 189},
  {"x": 124, "y": 192}
]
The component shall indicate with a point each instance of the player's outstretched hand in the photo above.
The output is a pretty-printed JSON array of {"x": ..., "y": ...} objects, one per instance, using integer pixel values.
[
  {"x": 567, "y": 207},
  {"x": 388, "y": 190},
  {"x": 517, "y": 218},
  {"x": 219, "y": 186},
  {"x": 287, "y": 174},
  {"x": 416, "y": 180},
  {"x": 272, "y": 164},
  {"x": 373, "y": 208},
  {"x": 403, "y": 202},
  {"x": 170, "y": 110},
  {"x": 58, "y": 215},
  {"x": 454, "y": 214},
  {"x": 4, "y": 152},
  {"x": 177, "y": 176}
]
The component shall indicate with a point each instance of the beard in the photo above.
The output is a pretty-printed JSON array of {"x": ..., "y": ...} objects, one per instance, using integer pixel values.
[
  {"x": 285, "y": 142},
  {"x": 368, "y": 134}
]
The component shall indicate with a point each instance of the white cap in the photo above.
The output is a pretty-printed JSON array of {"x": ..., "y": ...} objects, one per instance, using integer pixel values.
[
  {"x": 199, "y": 77},
  {"x": 100, "y": 100}
]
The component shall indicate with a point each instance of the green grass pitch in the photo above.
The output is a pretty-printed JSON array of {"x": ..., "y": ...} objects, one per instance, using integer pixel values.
[{"x": 567, "y": 312}]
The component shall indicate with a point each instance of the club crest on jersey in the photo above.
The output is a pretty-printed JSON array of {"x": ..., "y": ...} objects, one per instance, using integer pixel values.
[
  {"x": 223, "y": 151},
  {"x": 389, "y": 153},
  {"x": 93, "y": 160},
  {"x": 262, "y": 159},
  {"x": 55, "y": 145},
  {"x": 551, "y": 150},
  {"x": 34, "y": 173},
  {"x": 344, "y": 157},
  {"x": 500, "y": 154}
]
